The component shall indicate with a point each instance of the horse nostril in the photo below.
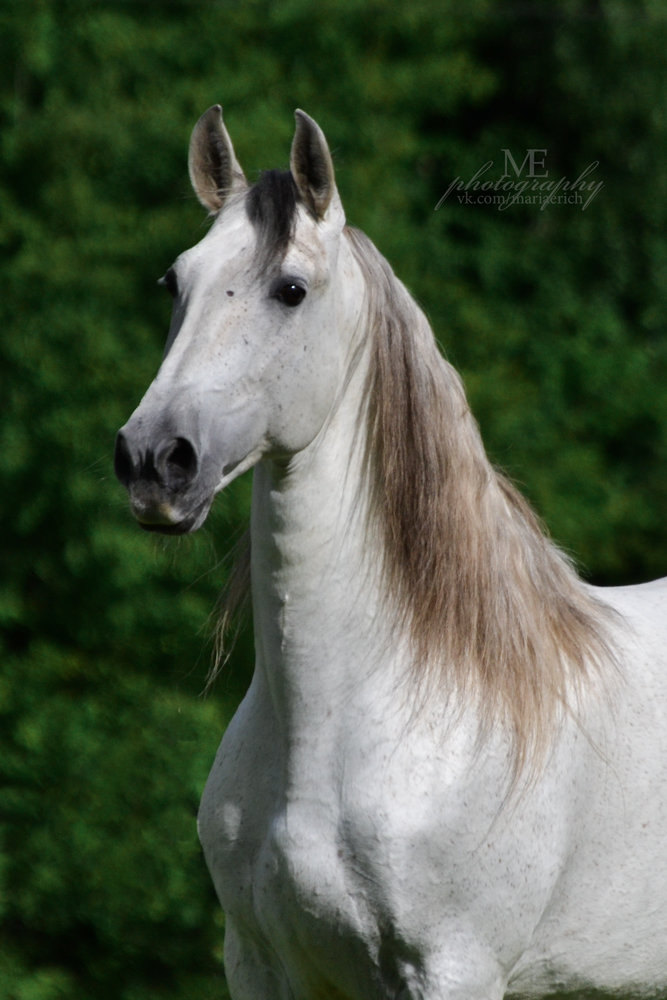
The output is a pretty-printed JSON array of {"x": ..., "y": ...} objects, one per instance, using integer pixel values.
[
  {"x": 180, "y": 463},
  {"x": 173, "y": 465},
  {"x": 122, "y": 461}
]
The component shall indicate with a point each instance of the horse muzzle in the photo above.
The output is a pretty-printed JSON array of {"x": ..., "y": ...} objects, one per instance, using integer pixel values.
[{"x": 164, "y": 481}]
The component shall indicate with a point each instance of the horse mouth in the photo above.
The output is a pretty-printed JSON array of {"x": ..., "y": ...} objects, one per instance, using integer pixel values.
[{"x": 167, "y": 519}]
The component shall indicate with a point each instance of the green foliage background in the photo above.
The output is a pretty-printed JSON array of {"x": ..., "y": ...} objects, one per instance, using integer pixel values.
[{"x": 556, "y": 319}]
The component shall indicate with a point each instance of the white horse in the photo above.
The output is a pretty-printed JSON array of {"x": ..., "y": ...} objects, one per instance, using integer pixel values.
[{"x": 448, "y": 779}]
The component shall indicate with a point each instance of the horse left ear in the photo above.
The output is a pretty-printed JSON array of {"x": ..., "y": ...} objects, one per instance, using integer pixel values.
[
  {"x": 312, "y": 166},
  {"x": 214, "y": 170}
]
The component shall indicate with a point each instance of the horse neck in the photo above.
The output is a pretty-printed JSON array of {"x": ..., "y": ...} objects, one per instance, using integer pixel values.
[
  {"x": 313, "y": 592},
  {"x": 392, "y": 543}
]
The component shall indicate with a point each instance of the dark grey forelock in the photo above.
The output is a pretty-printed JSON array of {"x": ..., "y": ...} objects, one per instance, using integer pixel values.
[{"x": 271, "y": 206}]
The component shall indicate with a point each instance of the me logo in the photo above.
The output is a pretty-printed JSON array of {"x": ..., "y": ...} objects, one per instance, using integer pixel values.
[
  {"x": 530, "y": 158},
  {"x": 524, "y": 183}
]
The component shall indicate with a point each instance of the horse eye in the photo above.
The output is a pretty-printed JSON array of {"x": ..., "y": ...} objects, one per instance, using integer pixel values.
[
  {"x": 170, "y": 282},
  {"x": 290, "y": 294}
]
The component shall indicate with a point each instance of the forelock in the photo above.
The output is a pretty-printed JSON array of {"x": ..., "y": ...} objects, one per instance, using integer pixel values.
[{"x": 271, "y": 206}]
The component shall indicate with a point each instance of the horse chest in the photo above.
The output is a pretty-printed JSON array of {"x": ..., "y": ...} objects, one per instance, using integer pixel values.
[
  {"x": 282, "y": 870},
  {"x": 299, "y": 883}
]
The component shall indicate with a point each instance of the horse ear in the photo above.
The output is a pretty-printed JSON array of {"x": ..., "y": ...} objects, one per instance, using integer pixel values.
[
  {"x": 311, "y": 165},
  {"x": 214, "y": 170}
]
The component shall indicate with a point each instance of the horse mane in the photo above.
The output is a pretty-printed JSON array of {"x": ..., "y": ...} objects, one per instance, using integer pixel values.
[
  {"x": 492, "y": 606},
  {"x": 493, "y": 609}
]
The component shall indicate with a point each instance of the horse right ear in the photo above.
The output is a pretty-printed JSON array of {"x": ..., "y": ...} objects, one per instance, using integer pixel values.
[
  {"x": 214, "y": 170},
  {"x": 311, "y": 165}
]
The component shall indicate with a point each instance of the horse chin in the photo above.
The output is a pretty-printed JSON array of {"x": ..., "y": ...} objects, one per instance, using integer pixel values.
[
  {"x": 166, "y": 521},
  {"x": 185, "y": 527}
]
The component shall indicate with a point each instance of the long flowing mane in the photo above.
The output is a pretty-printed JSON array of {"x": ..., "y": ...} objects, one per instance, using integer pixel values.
[
  {"x": 493, "y": 608},
  {"x": 491, "y": 604}
]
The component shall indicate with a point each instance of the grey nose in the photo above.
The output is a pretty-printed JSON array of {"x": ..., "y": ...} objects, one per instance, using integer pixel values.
[{"x": 173, "y": 464}]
